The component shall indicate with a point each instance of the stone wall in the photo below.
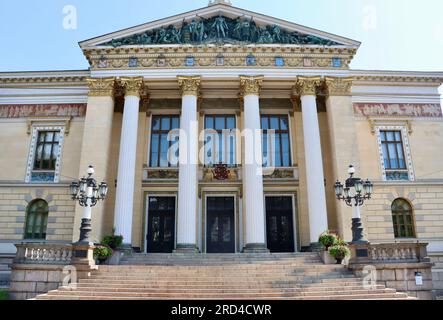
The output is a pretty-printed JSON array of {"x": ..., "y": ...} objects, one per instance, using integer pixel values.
[
  {"x": 401, "y": 276},
  {"x": 14, "y": 202}
]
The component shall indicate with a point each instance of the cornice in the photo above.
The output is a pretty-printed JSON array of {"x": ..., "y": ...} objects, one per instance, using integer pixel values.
[{"x": 43, "y": 80}]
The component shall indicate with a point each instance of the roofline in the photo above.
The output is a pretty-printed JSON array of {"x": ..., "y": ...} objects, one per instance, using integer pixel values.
[
  {"x": 355, "y": 42},
  {"x": 394, "y": 73},
  {"x": 45, "y": 73}
]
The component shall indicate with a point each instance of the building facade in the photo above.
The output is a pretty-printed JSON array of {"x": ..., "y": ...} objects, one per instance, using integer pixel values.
[{"x": 168, "y": 115}]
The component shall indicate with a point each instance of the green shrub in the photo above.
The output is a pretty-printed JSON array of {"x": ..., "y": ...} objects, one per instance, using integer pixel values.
[
  {"x": 114, "y": 242},
  {"x": 339, "y": 251},
  {"x": 102, "y": 252},
  {"x": 327, "y": 239},
  {"x": 3, "y": 295}
]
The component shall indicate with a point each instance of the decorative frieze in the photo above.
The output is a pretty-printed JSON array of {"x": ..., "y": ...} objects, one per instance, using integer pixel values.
[
  {"x": 307, "y": 86},
  {"x": 338, "y": 86},
  {"x": 101, "y": 87},
  {"x": 250, "y": 85},
  {"x": 42, "y": 110},
  {"x": 281, "y": 174},
  {"x": 189, "y": 85},
  {"x": 398, "y": 110},
  {"x": 133, "y": 86}
]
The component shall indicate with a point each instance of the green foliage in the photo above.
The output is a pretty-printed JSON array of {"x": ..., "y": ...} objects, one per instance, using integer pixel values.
[
  {"x": 3, "y": 295},
  {"x": 327, "y": 239},
  {"x": 114, "y": 242},
  {"x": 102, "y": 252},
  {"x": 339, "y": 251}
]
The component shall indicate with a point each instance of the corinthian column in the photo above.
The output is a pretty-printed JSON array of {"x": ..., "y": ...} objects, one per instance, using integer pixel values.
[
  {"x": 124, "y": 201},
  {"x": 252, "y": 166},
  {"x": 96, "y": 145},
  {"x": 318, "y": 219},
  {"x": 341, "y": 126},
  {"x": 187, "y": 181}
]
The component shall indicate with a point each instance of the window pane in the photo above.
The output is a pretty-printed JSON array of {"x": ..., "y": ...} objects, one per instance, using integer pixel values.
[
  {"x": 278, "y": 160},
  {"x": 41, "y": 136},
  {"x": 49, "y": 136},
  {"x": 220, "y": 123},
  {"x": 393, "y": 156},
  {"x": 284, "y": 123},
  {"x": 166, "y": 123},
  {"x": 230, "y": 123},
  {"x": 57, "y": 136},
  {"x": 285, "y": 149},
  {"x": 398, "y": 136},
  {"x": 156, "y": 123},
  {"x": 383, "y": 136},
  {"x": 154, "y": 150},
  {"x": 265, "y": 150},
  {"x": 402, "y": 163},
  {"x": 175, "y": 123},
  {"x": 264, "y": 123},
  {"x": 209, "y": 122},
  {"x": 390, "y": 135},
  {"x": 164, "y": 147},
  {"x": 274, "y": 123}
]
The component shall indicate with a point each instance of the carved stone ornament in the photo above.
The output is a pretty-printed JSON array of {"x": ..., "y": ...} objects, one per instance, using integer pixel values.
[
  {"x": 101, "y": 87},
  {"x": 281, "y": 174},
  {"x": 307, "y": 86},
  {"x": 189, "y": 85},
  {"x": 338, "y": 86},
  {"x": 132, "y": 86},
  {"x": 163, "y": 174},
  {"x": 250, "y": 85}
]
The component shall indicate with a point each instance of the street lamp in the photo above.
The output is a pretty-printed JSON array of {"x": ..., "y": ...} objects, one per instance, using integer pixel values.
[
  {"x": 88, "y": 193},
  {"x": 355, "y": 198}
]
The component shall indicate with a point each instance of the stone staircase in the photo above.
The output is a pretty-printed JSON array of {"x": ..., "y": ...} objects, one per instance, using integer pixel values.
[
  {"x": 5, "y": 270},
  {"x": 216, "y": 277}
]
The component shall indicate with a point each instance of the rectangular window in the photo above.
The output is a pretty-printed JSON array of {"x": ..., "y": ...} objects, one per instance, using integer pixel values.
[
  {"x": 47, "y": 149},
  {"x": 164, "y": 141},
  {"x": 220, "y": 140},
  {"x": 276, "y": 141},
  {"x": 393, "y": 155}
]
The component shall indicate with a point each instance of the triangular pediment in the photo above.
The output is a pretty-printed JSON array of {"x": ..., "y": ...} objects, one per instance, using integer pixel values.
[{"x": 218, "y": 24}]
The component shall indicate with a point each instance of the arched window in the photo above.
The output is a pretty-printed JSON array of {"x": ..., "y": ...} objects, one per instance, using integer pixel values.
[
  {"x": 402, "y": 219},
  {"x": 36, "y": 220}
]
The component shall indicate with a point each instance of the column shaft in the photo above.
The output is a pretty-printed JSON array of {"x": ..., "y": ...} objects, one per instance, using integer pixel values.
[
  {"x": 318, "y": 219},
  {"x": 188, "y": 165}
]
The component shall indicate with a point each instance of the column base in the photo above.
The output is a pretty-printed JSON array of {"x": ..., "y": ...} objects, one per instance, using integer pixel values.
[
  {"x": 357, "y": 232},
  {"x": 256, "y": 248},
  {"x": 186, "y": 249}
]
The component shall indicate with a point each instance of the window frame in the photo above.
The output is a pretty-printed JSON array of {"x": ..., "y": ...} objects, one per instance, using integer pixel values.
[
  {"x": 404, "y": 214},
  {"x": 396, "y": 143},
  {"x": 220, "y": 131},
  {"x": 51, "y": 175},
  {"x": 52, "y": 160},
  {"x": 280, "y": 132},
  {"x": 161, "y": 132},
  {"x": 43, "y": 218},
  {"x": 409, "y": 171}
]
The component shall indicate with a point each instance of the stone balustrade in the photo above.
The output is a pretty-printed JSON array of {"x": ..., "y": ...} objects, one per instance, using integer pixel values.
[
  {"x": 407, "y": 252},
  {"x": 43, "y": 253}
]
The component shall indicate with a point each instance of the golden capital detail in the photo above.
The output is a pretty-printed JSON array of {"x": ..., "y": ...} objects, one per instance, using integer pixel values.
[
  {"x": 307, "y": 86},
  {"x": 101, "y": 87},
  {"x": 338, "y": 86},
  {"x": 133, "y": 86},
  {"x": 189, "y": 86},
  {"x": 250, "y": 85}
]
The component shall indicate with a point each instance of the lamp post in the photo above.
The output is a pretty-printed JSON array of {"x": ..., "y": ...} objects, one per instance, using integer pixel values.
[
  {"x": 355, "y": 199},
  {"x": 88, "y": 193}
]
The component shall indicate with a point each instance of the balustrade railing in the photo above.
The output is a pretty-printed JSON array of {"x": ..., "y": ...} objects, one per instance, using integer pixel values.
[
  {"x": 43, "y": 253},
  {"x": 399, "y": 252}
]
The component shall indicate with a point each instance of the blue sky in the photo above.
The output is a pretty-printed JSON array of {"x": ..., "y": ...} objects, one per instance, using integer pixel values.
[{"x": 395, "y": 34}]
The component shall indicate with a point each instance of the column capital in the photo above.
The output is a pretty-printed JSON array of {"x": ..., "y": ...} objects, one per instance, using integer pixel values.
[
  {"x": 101, "y": 87},
  {"x": 250, "y": 85},
  {"x": 189, "y": 85},
  {"x": 133, "y": 86},
  {"x": 307, "y": 86},
  {"x": 336, "y": 86}
]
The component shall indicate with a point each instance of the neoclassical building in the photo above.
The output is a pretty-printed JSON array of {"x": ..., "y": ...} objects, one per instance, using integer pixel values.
[{"x": 218, "y": 75}]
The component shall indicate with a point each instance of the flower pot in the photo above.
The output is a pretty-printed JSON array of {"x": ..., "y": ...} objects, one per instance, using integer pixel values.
[
  {"x": 339, "y": 260},
  {"x": 327, "y": 258}
]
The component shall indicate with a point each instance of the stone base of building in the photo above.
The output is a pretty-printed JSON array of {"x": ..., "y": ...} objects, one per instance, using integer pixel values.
[
  {"x": 186, "y": 249},
  {"x": 255, "y": 248}
]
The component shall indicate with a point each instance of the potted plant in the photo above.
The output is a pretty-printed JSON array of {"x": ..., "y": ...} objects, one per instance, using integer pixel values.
[
  {"x": 115, "y": 243},
  {"x": 339, "y": 252},
  {"x": 327, "y": 239},
  {"x": 102, "y": 253}
]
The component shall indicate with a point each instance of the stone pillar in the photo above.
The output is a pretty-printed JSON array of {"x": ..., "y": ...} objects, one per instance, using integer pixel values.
[
  {"x": 318, "y": 219},
  {"x": 124, "y": 200},
  {"x": 343, "y": 139},
  {"x": 253, "y": 198},
  {"x": 96, "y": 146},
  {"x": 188, "y": 180}
]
